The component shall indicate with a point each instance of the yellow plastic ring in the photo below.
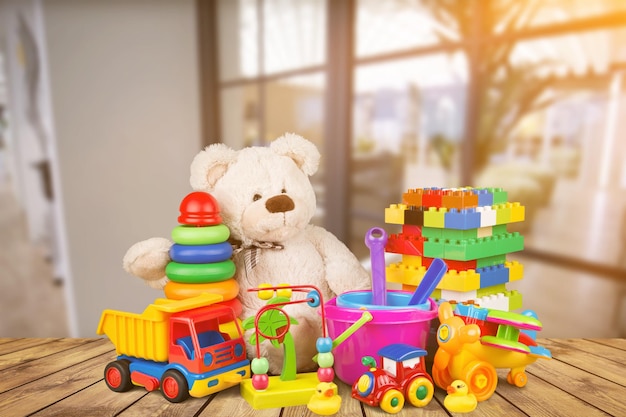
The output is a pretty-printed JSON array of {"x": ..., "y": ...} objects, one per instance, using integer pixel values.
[{"x": 228, "y": 289}]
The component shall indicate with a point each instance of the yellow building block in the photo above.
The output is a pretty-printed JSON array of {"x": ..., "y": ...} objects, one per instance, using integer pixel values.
[
  {"x": 516, "y": 270},
  {"x": 395, "y": 273},
  {"x": 412, "y": 260},
  {"x": 460, "y": 281},
  {"x": 503, "y": 213},
  {"x": 405, "y": 274},
  {"x": 394, "y": 214},
  {"x": 435, "y": 217},
  {"x": 518, "y": 212}
]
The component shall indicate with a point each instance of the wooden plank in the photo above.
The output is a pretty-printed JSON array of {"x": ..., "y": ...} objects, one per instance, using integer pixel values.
[
  {"x": 349, "y": 406},
  {"x": 616, "y": 343},
  {"x": 40, "y": 393},
  {"x": 542, "y": 398},
  {"x": 578, "y": 383},
  {"x": 95, "y": 400},
  {"x": 582, "y": 354},
  {"x": 21, "y": 344},
  {"x": 603, "y": 350},
  {"x": 36, "y": 352},
  {"x": 39, "y": 368},
  {"x": 434, "y": 409},
  {"x": 153, "y": 404},
  {"x": 230, "y": 403},
  {"x": 496, "y": 406}
]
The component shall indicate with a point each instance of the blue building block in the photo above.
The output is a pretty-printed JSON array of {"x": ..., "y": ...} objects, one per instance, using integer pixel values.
[
  {"x": 463, "y": 219},
  {"x": 493, "y": 275},
  {"x": 485, "y": 198}
]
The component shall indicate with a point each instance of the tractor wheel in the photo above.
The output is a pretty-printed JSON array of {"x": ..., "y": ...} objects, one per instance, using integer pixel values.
[
  {"x": 420, "y": 392},
  {"x": 174, "y": 386},
  {"x": 392, "y": 401},
  {"x": 117, "y": 376}
]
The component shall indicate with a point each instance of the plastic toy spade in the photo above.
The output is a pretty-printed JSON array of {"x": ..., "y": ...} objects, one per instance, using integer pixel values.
[
  {"x": 433, "y": 275},
  {"x": 375, "y": 240}
]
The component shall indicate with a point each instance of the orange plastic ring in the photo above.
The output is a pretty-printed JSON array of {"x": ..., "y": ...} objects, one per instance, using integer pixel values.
[{"x": 228, "y": 289}]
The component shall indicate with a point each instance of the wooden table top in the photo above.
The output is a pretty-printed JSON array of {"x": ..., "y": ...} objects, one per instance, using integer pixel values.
[{"x": 64, "y": 377}]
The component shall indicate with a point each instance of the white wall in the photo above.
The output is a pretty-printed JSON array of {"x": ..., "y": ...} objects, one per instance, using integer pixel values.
[
  {"x": 28, "y": 139},
  {"x": 124, "y": 85}
]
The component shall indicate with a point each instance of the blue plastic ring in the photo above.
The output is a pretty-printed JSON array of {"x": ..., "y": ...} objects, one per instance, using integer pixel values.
[{"x": 201, "y": 254}]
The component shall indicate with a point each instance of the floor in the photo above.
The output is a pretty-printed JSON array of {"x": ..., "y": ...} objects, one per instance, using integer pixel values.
[
  {"x": 64, "y": 377},
  {"x": 569, "y": 303}
]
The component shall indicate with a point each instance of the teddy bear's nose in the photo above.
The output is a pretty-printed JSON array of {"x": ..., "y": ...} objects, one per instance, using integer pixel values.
[{"x": 279, "y": 204}]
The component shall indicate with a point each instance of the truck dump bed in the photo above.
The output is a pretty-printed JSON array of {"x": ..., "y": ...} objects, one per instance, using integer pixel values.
[{"x": 146, "y": 335}]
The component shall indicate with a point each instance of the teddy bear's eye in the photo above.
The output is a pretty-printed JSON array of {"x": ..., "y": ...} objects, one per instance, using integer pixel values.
[{"x": 256, "y": 197}]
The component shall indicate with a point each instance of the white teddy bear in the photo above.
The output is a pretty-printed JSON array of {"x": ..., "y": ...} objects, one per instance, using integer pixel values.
[{"x": 267, "y": 202}]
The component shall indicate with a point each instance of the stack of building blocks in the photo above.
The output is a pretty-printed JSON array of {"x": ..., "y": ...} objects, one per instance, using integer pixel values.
[{"x": 467, "y": 228}]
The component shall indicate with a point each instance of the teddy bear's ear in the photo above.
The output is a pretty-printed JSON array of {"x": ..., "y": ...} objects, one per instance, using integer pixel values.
[
  {"x": 304, "y": 153},
  {"x": 209, "y": 165}
]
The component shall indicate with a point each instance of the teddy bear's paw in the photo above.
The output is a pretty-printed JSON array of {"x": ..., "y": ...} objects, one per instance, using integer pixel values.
[
  {"x": 157, "y": 284},
  {"x": 147, "y": 260}
]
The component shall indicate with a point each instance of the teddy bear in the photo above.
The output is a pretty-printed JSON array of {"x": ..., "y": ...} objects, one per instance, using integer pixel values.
[{"x": 267, "y": 201}]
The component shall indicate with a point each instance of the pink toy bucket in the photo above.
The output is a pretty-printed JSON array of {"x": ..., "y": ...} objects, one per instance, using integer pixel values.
[{"x": 410, "y": 326}]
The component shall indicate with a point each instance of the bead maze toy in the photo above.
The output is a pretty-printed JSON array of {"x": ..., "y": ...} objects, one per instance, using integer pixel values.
[
  {"x": 467, "y": 228},
  {"x": 474, "y": 341},
  {"x": 401, "y": 376},
  {"x": 272, "y": 323}
]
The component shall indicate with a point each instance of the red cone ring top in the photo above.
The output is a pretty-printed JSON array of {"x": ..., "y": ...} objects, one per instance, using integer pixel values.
[{"x": 199, "y": 209}]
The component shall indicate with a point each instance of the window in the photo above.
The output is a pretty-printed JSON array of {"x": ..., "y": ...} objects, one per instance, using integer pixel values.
[{"x": 527, "y": 95}]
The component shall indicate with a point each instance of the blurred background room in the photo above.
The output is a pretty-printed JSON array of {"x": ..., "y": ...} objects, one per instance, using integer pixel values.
[{"x": 105, "y": 103}]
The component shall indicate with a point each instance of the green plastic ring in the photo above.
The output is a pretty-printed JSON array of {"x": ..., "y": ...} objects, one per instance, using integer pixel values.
[
  {"x": 194, "y": 235},
  {"x": 200, "y": 273}
]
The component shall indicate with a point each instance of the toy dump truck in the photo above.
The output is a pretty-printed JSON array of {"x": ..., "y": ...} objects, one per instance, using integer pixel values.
[{"x": 192, "y": 347}]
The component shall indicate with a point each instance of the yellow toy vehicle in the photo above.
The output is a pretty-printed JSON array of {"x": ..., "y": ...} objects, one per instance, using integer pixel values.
[{"x": 474, "y": 341}]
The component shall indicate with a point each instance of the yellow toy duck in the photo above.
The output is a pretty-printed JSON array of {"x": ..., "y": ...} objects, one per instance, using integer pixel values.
[
  {"x": 324, "y": 401},
  {"x": 459, "y": 399}
]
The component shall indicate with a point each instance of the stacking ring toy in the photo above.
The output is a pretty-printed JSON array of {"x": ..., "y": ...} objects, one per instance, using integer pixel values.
[
  {"x": 201, "y": 254},
  {"x": 200, "y": 273},
  {"x": 177, "y": 291},
  {"x": 195, "y": 235}
]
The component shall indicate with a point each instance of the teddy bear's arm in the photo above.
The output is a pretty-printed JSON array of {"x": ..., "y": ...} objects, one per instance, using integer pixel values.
[
  {"x": 147, "y": 260},
  {"x": 344, "y": 272}
]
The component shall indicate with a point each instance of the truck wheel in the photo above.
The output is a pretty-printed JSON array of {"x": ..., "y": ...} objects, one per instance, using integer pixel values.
[
  {"x": 174, "y": 386},
  {"x": 420, "y": 391},
  {"x": 392, "y": 402},
  {"x": 117, "y": 376}
]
